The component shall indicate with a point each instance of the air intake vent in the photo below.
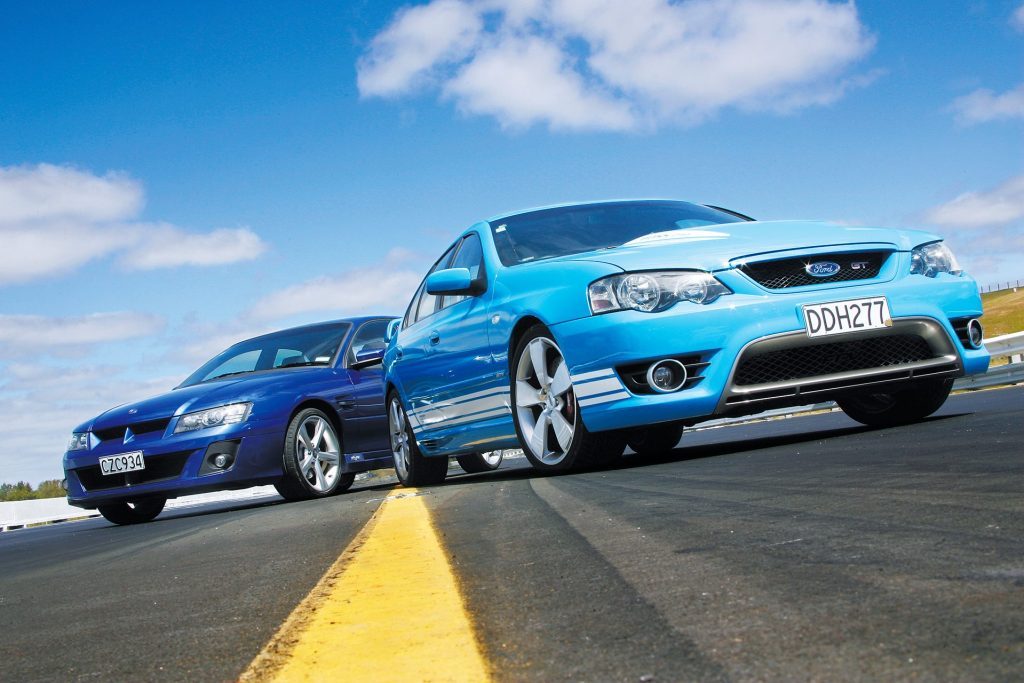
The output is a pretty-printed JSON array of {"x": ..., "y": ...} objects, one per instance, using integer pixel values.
[{"x": 827, "y": 359}]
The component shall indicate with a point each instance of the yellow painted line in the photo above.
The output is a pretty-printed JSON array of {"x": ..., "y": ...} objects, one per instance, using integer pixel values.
[{"x": 389, "y": 609}]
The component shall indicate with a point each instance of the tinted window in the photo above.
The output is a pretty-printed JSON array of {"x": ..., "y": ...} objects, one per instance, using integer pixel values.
[
  {"x": 471, "y": 256},
  {"x": 369, "y": 336},
  {"x": 575, "y": 229}
]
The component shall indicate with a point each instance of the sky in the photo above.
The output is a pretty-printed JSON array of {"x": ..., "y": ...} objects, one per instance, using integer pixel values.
[{"x": 177, "y": 176}]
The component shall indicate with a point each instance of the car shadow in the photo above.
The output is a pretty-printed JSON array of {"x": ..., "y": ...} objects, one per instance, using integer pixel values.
[{"x": 685, "y": 453}]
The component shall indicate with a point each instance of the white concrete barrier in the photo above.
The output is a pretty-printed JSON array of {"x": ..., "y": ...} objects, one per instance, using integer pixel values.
[{"x": 21, "y": 513}]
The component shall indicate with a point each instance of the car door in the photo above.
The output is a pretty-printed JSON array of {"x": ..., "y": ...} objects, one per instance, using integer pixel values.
[
  {"x": 419, "y": 380},
  {"x": 466, "y": 385},
  {"x": 365, "y": 401}
]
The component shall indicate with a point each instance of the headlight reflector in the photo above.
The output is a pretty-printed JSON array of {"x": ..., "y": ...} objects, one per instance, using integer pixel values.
[
  {"x": 653, "y": 291},
  {"x": 931, "y": 259},
  {"x": 79, "y": 441},
  {"x": 213, "y": 417}
]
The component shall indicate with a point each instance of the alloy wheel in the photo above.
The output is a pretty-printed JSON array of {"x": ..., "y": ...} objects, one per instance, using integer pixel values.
[
  {"x": 319, "y": 453},
  {"x": 399, "y": 438},
  {"x": 545, "y": 402}
]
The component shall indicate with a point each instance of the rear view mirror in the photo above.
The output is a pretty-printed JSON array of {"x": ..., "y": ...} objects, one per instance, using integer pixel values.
[
  {"x": 392, "y": 330},
  {"x": 367, "y": 358}
]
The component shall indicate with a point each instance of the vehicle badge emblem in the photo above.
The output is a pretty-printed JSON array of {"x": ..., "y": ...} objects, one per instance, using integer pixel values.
[
  {"x": 132, "y": 411},
  {"x": 822, "y": 268},
  {"x": 129, "y": 435}
]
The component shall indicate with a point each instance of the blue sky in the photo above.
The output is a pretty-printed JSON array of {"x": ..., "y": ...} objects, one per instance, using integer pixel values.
[{"x": 176, "y": 176}]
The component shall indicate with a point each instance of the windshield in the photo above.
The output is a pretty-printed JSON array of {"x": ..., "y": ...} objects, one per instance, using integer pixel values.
[
  {"x": 575, "y": 229},
  {"x": 292, "y": 348}
]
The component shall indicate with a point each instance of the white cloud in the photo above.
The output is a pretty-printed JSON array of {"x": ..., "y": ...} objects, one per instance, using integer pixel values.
[
  {"x": 1017, "y": 20},
  {"x": 166, "y": 246},
  {"x": 999, "y": 206},
  {"x": 983, "y": 105},
  {"x": 38, "y": 333},
  {"x": 40, "y": 405},
  {"x": 385, "y": 288},
  {"x": 537, "y": 83},
  {"x": 54, "y": 219},
  {"x": 611, "y": 65},
  {"x": 417, "y": 38}
]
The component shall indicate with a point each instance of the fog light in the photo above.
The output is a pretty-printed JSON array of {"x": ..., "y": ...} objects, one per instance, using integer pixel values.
[
  {"x": 221, "y": 461},
  {"x": 975, "y": 333},
  {"x": 666, "y": 376},
  {"x": 64, "y": 484}
]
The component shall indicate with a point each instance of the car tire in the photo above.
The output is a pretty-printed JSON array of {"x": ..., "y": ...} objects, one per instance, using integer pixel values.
[
  {"x": 133, "y": 511},
  {"x": 411, "y": 467},
  {"x": 544, "y": 406},
  {"x": 313, "y": 459},
  {"x": 655, "y": 440},
  {"x": 475, "y": 463},
  {"x": 896, "y": 407}
]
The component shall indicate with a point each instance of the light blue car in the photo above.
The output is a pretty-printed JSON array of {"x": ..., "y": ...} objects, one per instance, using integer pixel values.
[{"x": 572, "y": 331}]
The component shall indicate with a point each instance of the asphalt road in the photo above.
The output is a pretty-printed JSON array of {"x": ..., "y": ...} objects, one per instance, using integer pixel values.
[{"x": 808, "y": 549}]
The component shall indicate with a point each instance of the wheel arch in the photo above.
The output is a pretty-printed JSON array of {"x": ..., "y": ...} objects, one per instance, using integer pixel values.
[
  {"x": 518, "y": 330},
  {"x": 327, "y": 409}
]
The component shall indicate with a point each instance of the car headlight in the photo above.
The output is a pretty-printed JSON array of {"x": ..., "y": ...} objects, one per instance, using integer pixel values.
[
  {"x": 931, "y": 259},
  {"x": 79, "y": 441},
  {"x": 213, "y": 417},
  {"x": 653, "y": 291}
]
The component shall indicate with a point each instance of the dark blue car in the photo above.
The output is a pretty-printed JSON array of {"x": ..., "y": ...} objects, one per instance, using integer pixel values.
[{"x": 302, "y": 409}]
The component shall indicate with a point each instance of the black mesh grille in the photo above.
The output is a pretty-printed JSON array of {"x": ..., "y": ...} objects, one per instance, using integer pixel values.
[
  {"x": 160, "y": 467},
  {"x": 137, "y": 428},
  {"x": 825, "y": 359},
  {"x": 791, "y": 272}
]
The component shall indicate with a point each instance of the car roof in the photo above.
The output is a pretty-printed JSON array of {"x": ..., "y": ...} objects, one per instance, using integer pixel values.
[
  {"x": 596, "y": 202},
  {"x": 355, "y": 321}
]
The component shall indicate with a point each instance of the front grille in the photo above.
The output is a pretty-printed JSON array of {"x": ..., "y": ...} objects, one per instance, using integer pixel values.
[
  {"x": 146, "y": 427},
  {"x": 825, "y": 359},
  {"x": 634, "y": 375},
  {"x": 157, "y": 468},
  {"x": 791, "y": 272}
]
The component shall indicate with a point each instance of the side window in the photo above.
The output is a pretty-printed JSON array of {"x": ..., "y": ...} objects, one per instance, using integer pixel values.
[
  {"x": 410, "y": 313},
  {"x": 428, "y": 302},
  {"x": 471, "y": 256},
  {"x": 368, "y": 337}
]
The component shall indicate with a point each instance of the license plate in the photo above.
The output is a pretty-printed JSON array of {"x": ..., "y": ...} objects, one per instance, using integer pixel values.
[
  {"x": 125, "y": 462},
  {"x": 839, "y": 317}
]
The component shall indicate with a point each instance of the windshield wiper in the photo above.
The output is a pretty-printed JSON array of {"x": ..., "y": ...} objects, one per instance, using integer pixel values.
[
  {"x": 228, "y": 374},
  {"x": 302, "y": 365}
]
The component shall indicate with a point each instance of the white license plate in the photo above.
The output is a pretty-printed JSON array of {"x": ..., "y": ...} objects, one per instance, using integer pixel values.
[
  {"x": 839, "y": 317},
  {"x": 125, "y": 462}
]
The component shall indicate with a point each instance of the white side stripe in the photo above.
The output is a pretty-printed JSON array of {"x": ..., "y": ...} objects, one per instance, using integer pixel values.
[
  {"x": 618, "y": 396},
  {"x": 607, "y": 372},
  {"x": 599, "y": 387}
]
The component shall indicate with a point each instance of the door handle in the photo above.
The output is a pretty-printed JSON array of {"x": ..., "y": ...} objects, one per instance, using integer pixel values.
[{"x": 435, "y": 337}]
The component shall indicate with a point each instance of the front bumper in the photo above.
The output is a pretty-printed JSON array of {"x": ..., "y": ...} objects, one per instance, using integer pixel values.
[
  {"x": 596, "y": 347},
  {"x": 175, "y": 465}
]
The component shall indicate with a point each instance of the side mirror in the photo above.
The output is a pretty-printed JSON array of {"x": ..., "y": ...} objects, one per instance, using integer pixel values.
[
  {"x": 367, "y": 358},
  {"x": 392, "y": 330},
  {"x": 455, "y": 281}
]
